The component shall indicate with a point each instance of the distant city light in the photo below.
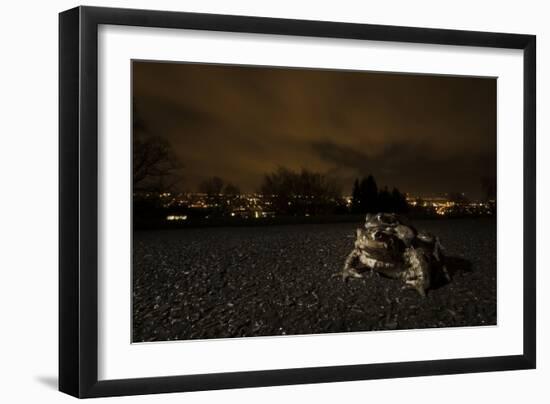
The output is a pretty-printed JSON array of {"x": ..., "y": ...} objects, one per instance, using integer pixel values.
[
  {"x": 176, "y": 217},
  {"x": 249, "y": 206}
]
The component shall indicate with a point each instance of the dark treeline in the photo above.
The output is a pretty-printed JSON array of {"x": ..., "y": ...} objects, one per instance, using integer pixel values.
[
  {"x": 367, "y": 198},
  {"x": 302, "y": 193},
  {"x": 285, "y": 195},
  {"x": 216, "y": 186},
  {"x": 311, "y": 193}
]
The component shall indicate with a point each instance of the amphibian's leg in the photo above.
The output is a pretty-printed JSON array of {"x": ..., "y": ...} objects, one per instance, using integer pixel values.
[
  {"x": 417, "y": 274},
  {"x": 438, "y": 254},
  {"x": 349, "y": 269},
  {"x": 446, "y": 273}
]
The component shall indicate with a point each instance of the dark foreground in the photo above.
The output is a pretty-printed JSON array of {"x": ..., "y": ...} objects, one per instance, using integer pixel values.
[{"x": 253, "y": 281}]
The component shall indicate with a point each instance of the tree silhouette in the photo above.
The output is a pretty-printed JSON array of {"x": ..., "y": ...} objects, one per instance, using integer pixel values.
[
  {"x": 212, "y": 186},
  {"x": 385, "y": 201},
  {"x": 367, "y": 199},
  {"x": 155, "y": 167},
  {"x": 356, "y": 197},
  {"x": 368, "y": 195},
  {"x": 399, "y": 202},
  {"x": 304, "y": 192},
  {"x": 231, "y": 190},
  {"x": 489, "y": 185},
  {"x": 458, "y": 198}
]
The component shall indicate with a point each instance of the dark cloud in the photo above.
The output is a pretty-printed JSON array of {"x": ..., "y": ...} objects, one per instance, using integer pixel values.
[
  {"x": 424, "y": 134},
  {"x": 410, "y": 166}
]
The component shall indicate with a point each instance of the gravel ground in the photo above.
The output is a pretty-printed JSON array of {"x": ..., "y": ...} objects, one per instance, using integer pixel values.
[{"x": 251, "y": 281}]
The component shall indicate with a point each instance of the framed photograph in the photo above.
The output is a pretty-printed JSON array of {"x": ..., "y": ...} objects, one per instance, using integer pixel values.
[{"x": 251, "y": 201}]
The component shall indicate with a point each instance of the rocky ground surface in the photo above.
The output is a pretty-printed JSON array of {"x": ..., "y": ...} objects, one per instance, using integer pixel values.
[{"x": 278, "y": 280}]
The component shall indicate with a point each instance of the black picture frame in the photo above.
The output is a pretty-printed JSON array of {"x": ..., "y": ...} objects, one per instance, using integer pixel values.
[{"x": 78, "y": 201}]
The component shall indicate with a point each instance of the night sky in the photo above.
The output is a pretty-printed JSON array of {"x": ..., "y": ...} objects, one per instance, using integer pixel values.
[{"x": 423, "y": 134}]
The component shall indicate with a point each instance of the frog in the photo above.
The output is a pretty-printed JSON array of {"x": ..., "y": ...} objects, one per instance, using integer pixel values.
[{"x": 389, "y": 246}]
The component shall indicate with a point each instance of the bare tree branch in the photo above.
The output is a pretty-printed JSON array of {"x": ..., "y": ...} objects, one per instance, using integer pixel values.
[{"x": 155, "y": 167}]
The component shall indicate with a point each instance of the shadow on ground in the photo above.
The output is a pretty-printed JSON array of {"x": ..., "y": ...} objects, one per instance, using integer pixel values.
[
  {"x": 455, "y": 266},
  {"x": 48, "y": 381}
]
